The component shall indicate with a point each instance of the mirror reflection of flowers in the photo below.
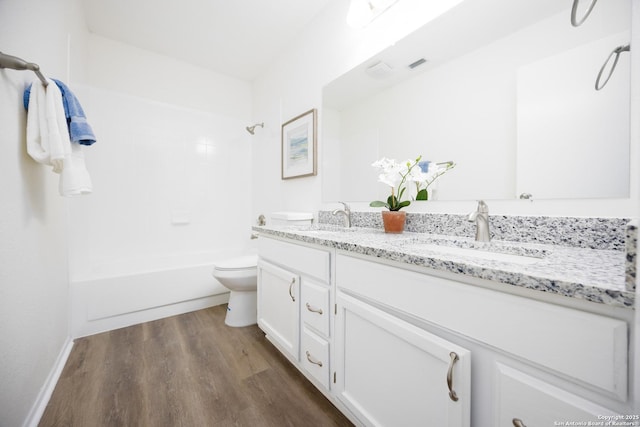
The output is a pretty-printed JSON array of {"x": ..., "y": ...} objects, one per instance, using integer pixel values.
[
  {"x": 396, "y": 175},
  {"x": 429, "y": 173}
]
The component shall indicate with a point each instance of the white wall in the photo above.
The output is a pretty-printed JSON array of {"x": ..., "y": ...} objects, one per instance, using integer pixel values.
[{"x": 33, "y": 252}]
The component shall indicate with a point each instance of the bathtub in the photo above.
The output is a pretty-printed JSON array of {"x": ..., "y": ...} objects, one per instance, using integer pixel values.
[{"x": 122, "y": 293}]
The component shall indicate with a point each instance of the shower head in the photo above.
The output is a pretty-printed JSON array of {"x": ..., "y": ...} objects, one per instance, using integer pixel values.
[{"x": 252, "y": 129}]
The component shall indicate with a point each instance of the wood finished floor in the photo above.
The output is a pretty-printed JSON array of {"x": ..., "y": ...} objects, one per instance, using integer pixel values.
[{"x": 189, "y": 370}]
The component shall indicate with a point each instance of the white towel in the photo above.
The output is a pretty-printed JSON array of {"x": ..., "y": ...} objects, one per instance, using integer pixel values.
[{"x": 48, "y": 140}]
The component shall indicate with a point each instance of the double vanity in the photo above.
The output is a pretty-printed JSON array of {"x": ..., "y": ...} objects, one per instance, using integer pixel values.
[{"x": 423, "y": 328}]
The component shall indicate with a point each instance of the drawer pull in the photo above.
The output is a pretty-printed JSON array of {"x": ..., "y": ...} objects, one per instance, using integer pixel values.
[
  {"x": 314, "y": 310},
  {"x": 454, "y": 359},
  {"x": 311, "y": 360},
  {"x": 517, "y": 422},
  {"x": 293, "y": 282}
]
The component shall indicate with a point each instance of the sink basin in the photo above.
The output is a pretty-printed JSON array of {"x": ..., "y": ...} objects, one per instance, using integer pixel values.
[{"x": 479, "y": 253}]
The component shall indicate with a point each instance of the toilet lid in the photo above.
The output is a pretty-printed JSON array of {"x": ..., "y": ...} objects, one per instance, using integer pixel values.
[{"x": 237, "y": 263}]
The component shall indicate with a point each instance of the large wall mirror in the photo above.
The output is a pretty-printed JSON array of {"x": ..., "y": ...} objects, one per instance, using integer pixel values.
[{"x": 506, "y": 91}]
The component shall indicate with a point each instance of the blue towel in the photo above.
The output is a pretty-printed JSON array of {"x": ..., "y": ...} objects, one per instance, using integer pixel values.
[{"x": 79, "y": 130}]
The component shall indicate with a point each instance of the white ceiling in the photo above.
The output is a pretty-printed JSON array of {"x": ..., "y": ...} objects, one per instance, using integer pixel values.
[{"x": 234, "y": 37}]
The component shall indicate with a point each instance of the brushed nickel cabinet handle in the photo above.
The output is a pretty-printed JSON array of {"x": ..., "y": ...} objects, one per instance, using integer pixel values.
[
  {"x": 517, "y": 422},
  {"x": 293, "y": 282},
  {"x": 311, "y": 360},
  {"x": 314, "y": 310},
  {"x": 454, "y": 359}
]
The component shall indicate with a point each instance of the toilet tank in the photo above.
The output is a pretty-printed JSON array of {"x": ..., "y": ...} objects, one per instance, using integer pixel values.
[{"x": 291, "y": 218}]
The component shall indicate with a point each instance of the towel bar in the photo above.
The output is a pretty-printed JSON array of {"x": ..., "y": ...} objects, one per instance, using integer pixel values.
[{"x": 15, "y": 63}]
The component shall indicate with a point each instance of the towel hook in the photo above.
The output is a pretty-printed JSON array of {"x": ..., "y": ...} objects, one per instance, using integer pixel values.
[
  {"x": 15, "y": 63},
  {"x": 575, "y": 22},
  {"x": 617, "y": 51}
]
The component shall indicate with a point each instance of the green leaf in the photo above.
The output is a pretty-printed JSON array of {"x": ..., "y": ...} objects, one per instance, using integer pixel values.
[
  {"x": 422, "y": 195},
  {"x": 378, "y": 204}
]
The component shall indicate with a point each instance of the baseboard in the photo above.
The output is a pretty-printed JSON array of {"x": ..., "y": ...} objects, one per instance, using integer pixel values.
[{"x": 46, "y": 391}]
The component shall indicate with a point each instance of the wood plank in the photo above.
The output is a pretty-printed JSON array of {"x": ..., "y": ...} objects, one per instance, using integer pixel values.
[{"x": 186, "y": 370}]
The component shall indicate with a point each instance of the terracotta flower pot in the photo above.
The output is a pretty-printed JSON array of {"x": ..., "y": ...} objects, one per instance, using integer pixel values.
[{"x": 394, "y": 221}]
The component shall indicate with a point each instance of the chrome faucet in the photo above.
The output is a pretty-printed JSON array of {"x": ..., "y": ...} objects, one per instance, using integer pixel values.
[
  {"x": 481, "y": 218},
  {"x": 346, "y": 211}
]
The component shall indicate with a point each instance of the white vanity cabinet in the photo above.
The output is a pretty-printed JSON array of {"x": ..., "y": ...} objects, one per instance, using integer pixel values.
[
  {"x": 534, "y": 363},
  {"x": 396, "y": 345},
  {"x": 294, "y": 301},
  {"x": 391, "y": 373}
]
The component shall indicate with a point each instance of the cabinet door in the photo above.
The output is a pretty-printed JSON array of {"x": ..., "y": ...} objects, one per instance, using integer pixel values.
[
  {"x": 392, "y": 373},
  {"x": 522, "y": 400},
  {"x": 279, "y": 307}
]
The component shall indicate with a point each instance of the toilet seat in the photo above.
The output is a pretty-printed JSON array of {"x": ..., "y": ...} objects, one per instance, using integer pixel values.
[{"x": 246, "y": 262}]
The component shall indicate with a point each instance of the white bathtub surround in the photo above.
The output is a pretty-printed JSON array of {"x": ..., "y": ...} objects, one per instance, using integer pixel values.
[{"x": 143, "y": 245}]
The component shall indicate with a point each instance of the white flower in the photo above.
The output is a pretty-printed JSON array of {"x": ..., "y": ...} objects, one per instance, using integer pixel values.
[
  {"x": 392, "y": 172},
  {"x": 416, "y": 175}
]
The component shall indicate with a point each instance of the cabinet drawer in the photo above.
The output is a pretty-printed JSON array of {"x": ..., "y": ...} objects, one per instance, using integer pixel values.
[
  {"x": 580, "y": 345},
  {"x": 537, "y": 403},
  {"x": 315, "y": 306},
  {"x": 315, "y": 356},
  {"x": 306, "y": 260}
]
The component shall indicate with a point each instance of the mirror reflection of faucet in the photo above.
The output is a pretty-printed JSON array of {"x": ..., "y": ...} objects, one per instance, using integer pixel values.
[
  {"x": 481, "y": 218},
  {"x": 346, "y": 211}
]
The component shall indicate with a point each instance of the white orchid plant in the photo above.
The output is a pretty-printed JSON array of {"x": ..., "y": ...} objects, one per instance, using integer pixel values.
[{"x": 398, "y": 175}]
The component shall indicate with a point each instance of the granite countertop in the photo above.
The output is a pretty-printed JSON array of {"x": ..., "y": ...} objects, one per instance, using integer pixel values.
[{"x": 594, "y": 275}]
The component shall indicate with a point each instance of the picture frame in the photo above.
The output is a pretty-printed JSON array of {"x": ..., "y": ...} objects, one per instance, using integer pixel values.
[{"x": 300, "y": 145}]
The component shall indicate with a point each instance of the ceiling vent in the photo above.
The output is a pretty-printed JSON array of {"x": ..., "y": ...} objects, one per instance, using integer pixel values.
[
  {"x": 417, "y": 63},
  {"x": 379, "y": 70}
]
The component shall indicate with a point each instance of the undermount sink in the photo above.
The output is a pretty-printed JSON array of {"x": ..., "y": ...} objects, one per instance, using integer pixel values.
[{"x": 488, "y": 254}]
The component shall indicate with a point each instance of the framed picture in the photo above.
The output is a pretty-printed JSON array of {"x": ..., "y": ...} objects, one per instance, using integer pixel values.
[{"x": 299, "y": 146}]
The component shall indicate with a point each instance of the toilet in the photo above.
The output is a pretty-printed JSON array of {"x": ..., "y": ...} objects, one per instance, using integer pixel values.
[{"x": 240, "y": 276}]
